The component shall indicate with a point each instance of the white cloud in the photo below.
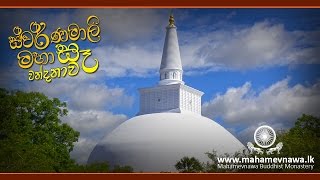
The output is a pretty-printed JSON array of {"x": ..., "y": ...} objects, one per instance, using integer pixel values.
[
  {"x": 90, "y": 102},
  {"x": 132, "y": 41},
  {"x": 97, "y": 96},
  {"x": 92, "y": 125},
  {"x": 131, "y": 45},
  {"x": 84, "y": 92},
  {"x": 82, "y": 150},
  {"x": 123, "y": 25},
  {"x": 278, "y": 105},
  {"x": 278, "y": 102},
  {"x": 118, "y": 25},
  {"x": 261, "y": 45},
  {"x": 130, "y": 60},
  {"x": 246, "y": 134},
  {"x": 92, "y": 122}
]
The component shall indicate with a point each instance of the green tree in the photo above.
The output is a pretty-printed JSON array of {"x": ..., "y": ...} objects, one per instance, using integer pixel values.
[
  {"x": 300, "y": 141},
  {"x": 211, "y": 166},
  {"x": 122, "y": 169},
  {"x": 90, "y": 168},
  {"x": 189, "y": 165},
  {"x": 97, "y": 167},
  {"x": 100, "y": 168},
  {"x": 32, "y": 136},
  {"x": 303, "y": 139}
]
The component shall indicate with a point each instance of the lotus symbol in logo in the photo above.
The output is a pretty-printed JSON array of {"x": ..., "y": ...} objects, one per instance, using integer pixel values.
[{"x": 264, "y": 136}]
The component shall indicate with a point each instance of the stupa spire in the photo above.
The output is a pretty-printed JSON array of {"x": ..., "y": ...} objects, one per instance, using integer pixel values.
[
  {"x": 171, "y": 68},
  {"x": 171, "y": 95}
]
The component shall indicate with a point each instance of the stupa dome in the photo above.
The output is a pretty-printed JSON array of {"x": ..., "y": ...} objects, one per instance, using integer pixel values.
[{"x": 155, "y": 142}]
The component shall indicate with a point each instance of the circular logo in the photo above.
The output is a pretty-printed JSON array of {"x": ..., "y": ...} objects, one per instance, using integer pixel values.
[{"x": 264, "y": 136}]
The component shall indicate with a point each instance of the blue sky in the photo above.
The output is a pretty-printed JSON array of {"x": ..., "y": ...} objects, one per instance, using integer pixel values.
[{"x": 255, "y": 66}]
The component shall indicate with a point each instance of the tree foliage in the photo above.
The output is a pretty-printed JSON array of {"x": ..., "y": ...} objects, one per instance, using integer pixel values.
[
  {"x": 300, "y": 141},
  {"x": 91, "y": 168},
  {"x": 189, "y": 165},
  {"x": 303, "y": 139},
  {"x": 100, "y": 168},
  {"x": 32, "y": 136},
  {"x": 122, "y": 169}
]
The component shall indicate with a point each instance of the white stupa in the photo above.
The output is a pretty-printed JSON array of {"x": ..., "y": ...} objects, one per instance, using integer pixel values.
[{"x": 169, "y": 124}]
